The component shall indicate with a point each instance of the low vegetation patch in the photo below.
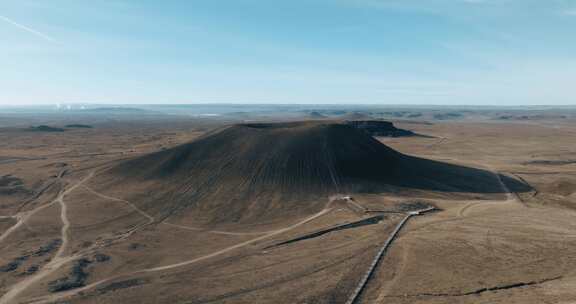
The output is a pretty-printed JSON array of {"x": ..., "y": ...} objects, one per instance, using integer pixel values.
[
  {"x": 78, "y": 275},
  {"x": 42, "y": 251},
  {"x": 44, "y": 128},
  {"x": 11, "y": 185}
]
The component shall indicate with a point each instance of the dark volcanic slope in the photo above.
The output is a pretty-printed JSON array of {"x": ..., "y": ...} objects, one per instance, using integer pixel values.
[{"x": 255, "y": 171}]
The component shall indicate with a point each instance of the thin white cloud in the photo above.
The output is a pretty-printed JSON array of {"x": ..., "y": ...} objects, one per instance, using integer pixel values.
[
  {"x": 26, "y": 28},
  {"x": 570, "y": 12}
]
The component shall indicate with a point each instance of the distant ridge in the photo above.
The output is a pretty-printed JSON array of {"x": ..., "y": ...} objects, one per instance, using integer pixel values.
[
  {"x": 356, "y": 116},
  {"x": 379, "y": 128},
  {"x": 316, "y": 115},
  {"x": 114, "y": 109}
]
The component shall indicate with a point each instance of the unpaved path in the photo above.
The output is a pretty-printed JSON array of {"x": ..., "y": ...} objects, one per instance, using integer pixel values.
[
  {"x": 151, "y": 218},
  {"x": 59, "y": 296},
  {"x": 438, "y": 142},
  {"x": 214, "y": 231},
  {"x": 351, "y": 201},
  {"x": 511, "y": 198},
  {"x": 59, "y": 259},
  {"x": 23, "y": 216},
  {"x": 401, "y": 266},
  {"x": 279, "y": 231},
  {"x": 134, "y": 207}
]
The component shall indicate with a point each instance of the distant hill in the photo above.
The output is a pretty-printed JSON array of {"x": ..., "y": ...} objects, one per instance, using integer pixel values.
[
  {"x": 356, "y": 116},
  {"x": 380, "y": 128},
  {"x": 448, "y": 116},
  {"x": 531, "y": 117},
  {"x": 79, "y": 126},
  {"x": 115, "y": 110},
  {"x": 316, "y": 115}
]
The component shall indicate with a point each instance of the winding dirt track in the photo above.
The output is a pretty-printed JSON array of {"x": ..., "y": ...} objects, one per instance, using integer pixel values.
[
  {"x": 511, "y": 198},
  {"x": 151, "y": 218},
  {"x": 22, "y": 217},
  {"x": 56, "y": 297},
  {"x": 214, "y": 231},
  {"x": 59, "y": 259},
  {"x": 134, "y": 207},
  {"x": 401, "y": 267}
]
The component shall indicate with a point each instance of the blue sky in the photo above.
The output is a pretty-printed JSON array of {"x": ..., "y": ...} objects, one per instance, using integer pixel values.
[{"x": 488, "y": 52}]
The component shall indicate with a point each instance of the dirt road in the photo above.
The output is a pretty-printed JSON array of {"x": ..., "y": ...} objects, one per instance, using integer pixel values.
[
  {"x": 511, "y": 199},
  {"x": 59, "y": 258},
  {"x": 56, "y": 297}
]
